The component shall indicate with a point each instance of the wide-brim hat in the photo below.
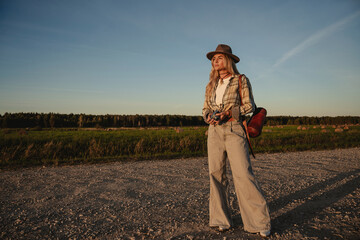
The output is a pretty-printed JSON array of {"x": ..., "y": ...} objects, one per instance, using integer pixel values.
[{"x": 223, "y": 49}]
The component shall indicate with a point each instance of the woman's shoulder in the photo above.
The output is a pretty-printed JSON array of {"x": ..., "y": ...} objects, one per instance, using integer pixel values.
[
  {"x": 243, "y": 75},
  {"x": 244, "y": 78}
]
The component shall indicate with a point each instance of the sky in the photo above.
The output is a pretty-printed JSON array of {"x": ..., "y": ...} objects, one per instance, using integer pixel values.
[{"x": 149, "y": 57}]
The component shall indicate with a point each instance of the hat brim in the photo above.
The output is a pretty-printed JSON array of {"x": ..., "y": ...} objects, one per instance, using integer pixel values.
[{"x": 232, "y": 56}]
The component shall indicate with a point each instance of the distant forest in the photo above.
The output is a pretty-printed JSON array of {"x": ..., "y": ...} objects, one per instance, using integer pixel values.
[{"x": 56, "y": 120}]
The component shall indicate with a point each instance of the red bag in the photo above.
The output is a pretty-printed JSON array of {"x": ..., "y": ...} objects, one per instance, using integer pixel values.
[{"x": 256, "y": 122}]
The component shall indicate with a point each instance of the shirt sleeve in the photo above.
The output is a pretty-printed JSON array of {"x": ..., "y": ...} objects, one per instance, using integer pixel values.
[
  {"x": 205, "y": 110},
  {"x": 248, "y": 104}
]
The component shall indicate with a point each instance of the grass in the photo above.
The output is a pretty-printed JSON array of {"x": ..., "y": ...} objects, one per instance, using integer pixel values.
[
  {"x": 19, "y": 148},
  {"x": 289, "y": 138}
]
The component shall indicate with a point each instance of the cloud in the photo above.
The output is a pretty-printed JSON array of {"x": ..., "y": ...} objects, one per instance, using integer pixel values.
[{"x": 315, "y": 38}]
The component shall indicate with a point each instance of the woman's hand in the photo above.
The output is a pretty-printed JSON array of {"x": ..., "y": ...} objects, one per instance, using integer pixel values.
[
  {"x": 211, "y": 121},
  {"x": 222, "y": 116}
]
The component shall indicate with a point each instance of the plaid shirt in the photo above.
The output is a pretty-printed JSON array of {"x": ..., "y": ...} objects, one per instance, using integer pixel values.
[{"x": 231, "y": 99}]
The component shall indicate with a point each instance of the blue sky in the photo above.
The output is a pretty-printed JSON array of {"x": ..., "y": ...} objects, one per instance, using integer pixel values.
[{"x": 148, "y": 57}]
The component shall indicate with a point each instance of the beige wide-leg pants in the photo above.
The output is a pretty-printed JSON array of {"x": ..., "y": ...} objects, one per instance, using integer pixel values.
[{"x": 229, "y": 141}]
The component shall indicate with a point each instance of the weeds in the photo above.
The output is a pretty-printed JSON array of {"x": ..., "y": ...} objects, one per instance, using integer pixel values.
[{"x": 34, "y": 147}]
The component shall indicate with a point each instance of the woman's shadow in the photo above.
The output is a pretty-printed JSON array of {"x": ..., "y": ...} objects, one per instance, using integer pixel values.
[{"x": 313, "y": 206}]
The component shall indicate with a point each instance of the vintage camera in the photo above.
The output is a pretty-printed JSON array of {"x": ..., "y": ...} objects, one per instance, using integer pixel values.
[{"x": 214, "y": 116}]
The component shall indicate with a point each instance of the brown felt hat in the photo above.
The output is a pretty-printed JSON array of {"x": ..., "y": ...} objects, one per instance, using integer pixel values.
[{"x": 224, "y": 49}]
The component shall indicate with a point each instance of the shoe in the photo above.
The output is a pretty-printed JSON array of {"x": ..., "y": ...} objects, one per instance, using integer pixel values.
[
  {"x": 265, "y": 233},
  {"x": 223, "y": 228}
]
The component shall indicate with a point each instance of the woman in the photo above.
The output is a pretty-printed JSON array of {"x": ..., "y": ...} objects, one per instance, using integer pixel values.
[{"x": 227, "y": 139}]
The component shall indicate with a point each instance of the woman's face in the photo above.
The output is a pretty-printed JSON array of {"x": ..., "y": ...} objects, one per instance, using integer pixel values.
[{"x": 218, "y": 62}]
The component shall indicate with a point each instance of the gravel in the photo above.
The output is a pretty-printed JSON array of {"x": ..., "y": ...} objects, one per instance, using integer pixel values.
[{"x": 311, "y": 195}]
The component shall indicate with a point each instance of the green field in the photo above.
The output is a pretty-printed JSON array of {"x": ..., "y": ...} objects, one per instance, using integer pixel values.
[{"x": 20, "y": 147}]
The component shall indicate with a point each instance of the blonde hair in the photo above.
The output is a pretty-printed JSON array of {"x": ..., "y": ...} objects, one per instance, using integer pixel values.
[{"x": 214, "y": 75}]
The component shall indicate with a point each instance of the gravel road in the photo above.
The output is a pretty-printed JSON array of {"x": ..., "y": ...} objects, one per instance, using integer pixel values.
[{"x": 311, "y": 195}]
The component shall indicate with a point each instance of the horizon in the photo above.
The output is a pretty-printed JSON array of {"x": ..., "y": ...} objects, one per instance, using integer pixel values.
[
  {"x": 2, "y": 114},
  {"x": 149, "y": 58}
]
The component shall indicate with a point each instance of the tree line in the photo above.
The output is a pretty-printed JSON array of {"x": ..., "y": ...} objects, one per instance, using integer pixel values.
[{"x": 56, "y": 120}]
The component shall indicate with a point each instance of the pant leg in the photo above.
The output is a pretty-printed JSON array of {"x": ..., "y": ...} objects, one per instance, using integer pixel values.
[
  {"x": 218, "y": 206},
  {"x": 253, "y": 206}
]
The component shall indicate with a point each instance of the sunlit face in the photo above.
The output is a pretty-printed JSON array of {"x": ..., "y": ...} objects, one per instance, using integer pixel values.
[{"x": 218, "y": 62}]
